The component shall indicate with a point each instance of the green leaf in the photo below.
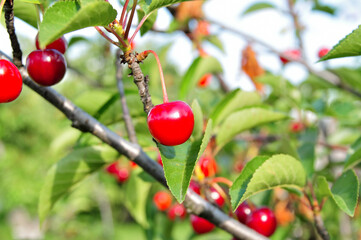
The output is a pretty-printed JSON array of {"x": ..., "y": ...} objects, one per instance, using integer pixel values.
[
  {"x": 321, "y": 188},
  {"x": 94, "y": 100},
  {"x": 323, "y": 8},
  {"x": 26, "y": 12},
  {"x": 214, "y": 40},
  {"x": 30, "y": 1},
  {"x": 179, "y": 162},
  {"x": 149, "y": 6},
  {"x": 148, "y": 24},
  {"x": 199, "y": 67},
  {"x": 349, "y": 76},
  {"x": 354, "y": 157},
  {"x": 137, "y": 191},
  {"x": 243, "y": 120},
  {"x": 198, "y": 119},
  {"x": 67, "y": 16},
  {"x": 345, "y": 192},
  {"x": 257, "y": 7},
  {"x": 347, "y": 47},
  {"x": 306, "y": 151},
  {"x": 70, "y": 170},
  {"x": 263, "y": 173},
  {"x": 233, "y": 101}
]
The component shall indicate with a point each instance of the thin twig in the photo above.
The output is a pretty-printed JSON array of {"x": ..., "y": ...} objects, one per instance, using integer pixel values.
[
  {"x": 106, "y": 37},
  {"x": 222, "y": 83},
  {"x": 126, "y": 115},
  {"x": 297, "y": 25}
]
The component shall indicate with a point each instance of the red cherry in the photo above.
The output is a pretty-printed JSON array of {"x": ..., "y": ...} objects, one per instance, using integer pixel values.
[
  {"x": 297, "y": 127},
  {"x": 201, "y": 225},
  {"x": 11, "y": 82},
  {"x": 243, "y": 212},
  {"x": 177, "y": 210},
  {"x": 263, "y": 221},
  {"x": 171, "y": 123},
  {"x": 208, "y": 166},
  {"x": 133, "y": 164},
  {"x": 216, "y": 197},
  {"x": 112, "y": 168},
  {"x": 294, "y": 54},
  {"x": 322, "y": 52},
  {"x": 59, "y": 44},
  {"x": 122, "y": 175},
  {"x": 195, "y": 187},
  {"x": 205, "y": 80},
  {"x": 46, "y": 67},
  {"x": 162, "y": 200}
]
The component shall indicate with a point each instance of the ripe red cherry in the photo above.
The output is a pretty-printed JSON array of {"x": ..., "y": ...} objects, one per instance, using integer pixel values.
[
  {"x": 216, "y": 197},
  {"x": 294, "y": 54},
  {"x": 205, "y": 80},
  {"x": 243, "y": 212},
  {"x": 112, "y": 168},
  {"x": 122, "y": 175},
  {"x": 322, "y": 52},
  {"x": 195, "y": 187},
  {"x": 177, "y": 210},
  {"x": 11, "y": 82},
  {"x": 263, "y": 221},
  {"x": 59, "y": 44},
  {"x": 201, "y": 225},
  {"x": 162, "y": 200},
  {"x": 171, "y": 123},
  {"x": 46, "y": 67},
  {"x": 208, "y": 166},
  {"x": 297, "y": 127}
]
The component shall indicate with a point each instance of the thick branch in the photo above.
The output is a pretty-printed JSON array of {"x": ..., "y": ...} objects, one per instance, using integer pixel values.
[
  {"x": 86, "y": 123},
  {"x": 9, "y": 19},
  {"x": 126, "y": 115}
]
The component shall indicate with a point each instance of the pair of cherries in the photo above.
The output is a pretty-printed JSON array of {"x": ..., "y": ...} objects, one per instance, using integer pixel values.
[{"x": 47, "y": 66}]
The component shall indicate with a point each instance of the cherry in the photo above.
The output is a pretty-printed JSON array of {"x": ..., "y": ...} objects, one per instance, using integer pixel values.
[
  {"x": 263, "y": 221},
  {"x": 162, "y": 200},
  {"x": 216, "y": 197},
  {"x": 322, "y": 52},
  {"x": 202, "y": 28},
  {"x": 243, "y": 212},
  {"x": 205, "y": 80},
  {"x": 171, "y": 123},
  {"x": 11, "y": 82},
  {"x": 122, "y": 175},
  {"x": 133, "y": 164},
  {"x": 59, "y": 44},
  {"x": 46, "y": 67},
  {"x": 208, "y": 166},
  {"x": 201, "y": 225},
  {"x": 296, "y": 127},
  {"x": 177, "y": 210},
  {"x": 294, "y": 54},
  {"x": 112, "y": 168},
  {"x": 195, "y": 187},
  {"x": 159, "y": 160}
]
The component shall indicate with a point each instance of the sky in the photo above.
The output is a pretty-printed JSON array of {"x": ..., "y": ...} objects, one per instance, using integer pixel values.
[{"x": 271, "y": 26}]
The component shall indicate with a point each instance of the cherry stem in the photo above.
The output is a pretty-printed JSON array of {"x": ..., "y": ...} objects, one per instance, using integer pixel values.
[
  {"x": 165, "y": 95},
  {"x": 223, "y": 180},
  {"x": 125, "y": 20},
  {"x": 138, "y": 28},
  {"x": 130, "y": 19},
  {"x": 105, "y": 36},
  {"x": 117, "y": 36},
  {"x": 123, "y": 12}
]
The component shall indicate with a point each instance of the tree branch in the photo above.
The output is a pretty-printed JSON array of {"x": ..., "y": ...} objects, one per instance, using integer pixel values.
[{"x": 126, "y": 115}]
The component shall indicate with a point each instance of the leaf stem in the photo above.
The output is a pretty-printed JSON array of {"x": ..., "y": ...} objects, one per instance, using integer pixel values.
[
  {"x": 105, "y": 36},
  {"x": 138, "y": 28},
  {"x": 222, "y": 180},
  {"x": 118, "y": 37},
  {"x": 130, "y": 19},
  {"x": 165, "y": 95},
  {"x": 123, "y": 12}
]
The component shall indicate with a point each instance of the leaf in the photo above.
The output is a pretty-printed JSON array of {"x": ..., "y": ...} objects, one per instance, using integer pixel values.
[
  {"x": 345, "y": 192},
  {"x": 257, "y": 7},
  {"x": 93, "y": 101},
  {"x": 30, "y": 1},
  {"x": 67, "y": 16},
  {"x": 233, "y": 101},
  {"x": 321, "y": 188},
  {"x": 215, "y": 41},
  {"x": 347, "y": 47},
  {"x": 349, "y": 76},
  {"x": 324, "y": 8},
  {"x": 243, "y": 120},
  {"x": 179, "y": 162},
  {"x": 149, "y": 6},
  {"x": 306, "y": 151},
  {"x": 148, "y": 24},
  {"x": 137, "y": 191},
  {"x": 198, "y": 119},
  {"x": 354, "y": 157},
  {"x": 26, "y": 12},
  {"x": 70, "y": 170},
  {"x": 263, "y": 173},
  {"x": 198, "y": 68}
]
